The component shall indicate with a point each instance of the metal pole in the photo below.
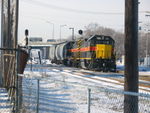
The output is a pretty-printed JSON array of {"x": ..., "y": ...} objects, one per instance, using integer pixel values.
[
  {"x": 17, "y": 83},
  {"x": 2, "y": 22},
  {"x": 60, "y": 30},
  {"x": 17, "y": 56},
  {"x": 89, "y": 100},
  {"x": 8, "y": 43},
  {"x": 31, "y": 61},
  {"x": 147, "y": 15},
  {"x": 39, "y": 56},
  {"x": 72, "y": 33},
  {"x": 131, "y": 56},
  {"x": 53, "y": 30},
  {"x": 147, "y": 50},
  {"x": 38, "y": 89},
  {"x": 60, "y": 34},
  {"x": 17, "y": 19},
  {"x": 1, "y": 74}
]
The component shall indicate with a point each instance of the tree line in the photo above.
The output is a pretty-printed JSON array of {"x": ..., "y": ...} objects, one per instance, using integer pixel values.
[{"x": 119, "y": 37}]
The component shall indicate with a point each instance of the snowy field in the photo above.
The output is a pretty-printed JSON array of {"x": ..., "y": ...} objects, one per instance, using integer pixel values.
[{"x": 65, "y": 90}]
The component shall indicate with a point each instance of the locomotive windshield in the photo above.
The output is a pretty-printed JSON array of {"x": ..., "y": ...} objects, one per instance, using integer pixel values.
[{"x": 104, "y": 40}]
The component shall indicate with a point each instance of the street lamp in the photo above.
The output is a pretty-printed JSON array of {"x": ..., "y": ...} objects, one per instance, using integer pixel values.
[
  {"x": 72, "y": 33},
  {"x": 147, "y": 49},
  {"x": 147, "y": 42},
  {"x": 60, "y": 30},
  {"x": 53, "y": 28}
]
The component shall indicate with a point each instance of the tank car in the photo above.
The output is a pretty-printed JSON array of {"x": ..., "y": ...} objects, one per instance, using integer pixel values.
[
  {"x": 60, "y": 53},
  {"x": 52, "y": 56}
]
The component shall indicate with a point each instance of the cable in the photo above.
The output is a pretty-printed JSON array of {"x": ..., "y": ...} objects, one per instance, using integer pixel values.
[{"x": 71, "y": 10}]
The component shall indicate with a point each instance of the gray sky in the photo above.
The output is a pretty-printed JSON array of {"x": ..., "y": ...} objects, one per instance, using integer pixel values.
[{"x": 34, "y": 15}]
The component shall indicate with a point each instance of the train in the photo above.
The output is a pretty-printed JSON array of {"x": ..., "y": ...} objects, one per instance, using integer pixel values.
[{"x": 94, "y": 53}]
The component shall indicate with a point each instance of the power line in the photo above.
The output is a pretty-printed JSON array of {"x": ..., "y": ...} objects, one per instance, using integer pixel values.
[{"x": 71, "y": 10}]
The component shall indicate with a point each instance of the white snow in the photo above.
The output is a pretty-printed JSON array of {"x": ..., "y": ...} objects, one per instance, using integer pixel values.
[{"x": 63, "y": 90}]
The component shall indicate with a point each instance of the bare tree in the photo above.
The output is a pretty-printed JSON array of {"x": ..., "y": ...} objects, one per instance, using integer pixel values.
[{"x": 94, "y": 28}]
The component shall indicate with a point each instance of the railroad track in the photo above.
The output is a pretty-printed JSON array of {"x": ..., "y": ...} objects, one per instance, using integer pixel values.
[
  {"x": 109, "y": 78},
  {"x": 116, "y": 79}
]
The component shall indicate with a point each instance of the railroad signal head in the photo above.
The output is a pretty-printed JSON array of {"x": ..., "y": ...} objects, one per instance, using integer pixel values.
[
  {"x": 80, "y": 32},
  {"x": 26, "y": 32}
]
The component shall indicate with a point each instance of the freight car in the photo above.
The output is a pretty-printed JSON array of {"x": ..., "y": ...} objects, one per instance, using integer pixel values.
[
  {"x": 60, "y": 53},
  {"x": 94, "y": 53}
]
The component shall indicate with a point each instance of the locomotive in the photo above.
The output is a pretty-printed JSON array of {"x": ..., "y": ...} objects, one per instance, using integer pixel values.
[{"x": 93, "y": 53}]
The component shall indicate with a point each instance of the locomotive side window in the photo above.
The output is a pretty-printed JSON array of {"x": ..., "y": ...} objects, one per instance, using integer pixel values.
[{"x": 92, "y": 43}]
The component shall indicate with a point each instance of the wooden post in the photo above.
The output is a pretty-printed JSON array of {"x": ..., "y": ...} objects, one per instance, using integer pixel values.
[
  {"x": 131, "y": 55},
  {"x": 1, "y": 69}
]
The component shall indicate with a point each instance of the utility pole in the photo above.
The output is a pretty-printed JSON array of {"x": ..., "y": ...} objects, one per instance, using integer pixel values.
[
  {"x": 147, "y": 36},
  {"x": 16, "y": 25},
  {"x": 1, "y": 69},
  {"x": 147, "y": 64},
  {"x": 131, "y": 55}
]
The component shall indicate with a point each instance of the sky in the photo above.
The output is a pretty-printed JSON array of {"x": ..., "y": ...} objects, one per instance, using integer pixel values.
[
  {"x": 34, "y": 15},
  {"x": 39, "y": 16}
]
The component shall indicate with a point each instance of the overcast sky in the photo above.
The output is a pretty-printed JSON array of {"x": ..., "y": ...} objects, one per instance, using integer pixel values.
[
  {"x": 34, "y": 15},
  {"x": 73, "y": 13}
]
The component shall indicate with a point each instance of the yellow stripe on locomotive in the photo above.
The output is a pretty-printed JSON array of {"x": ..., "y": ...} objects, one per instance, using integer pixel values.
[{"x": 103, "y": 51}]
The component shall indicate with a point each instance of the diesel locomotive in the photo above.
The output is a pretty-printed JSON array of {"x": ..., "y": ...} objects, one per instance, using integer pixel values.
[{"x": 93, "y": 53}]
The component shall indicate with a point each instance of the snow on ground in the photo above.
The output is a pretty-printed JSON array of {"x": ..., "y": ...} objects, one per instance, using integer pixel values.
[
  {"x": 141, "y": 68},
  {"x": 61, "y": 91},
  {"x": 5, "y": 106}
]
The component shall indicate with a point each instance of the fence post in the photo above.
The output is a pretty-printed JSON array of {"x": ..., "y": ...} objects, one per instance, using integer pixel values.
[
  {"x": 39, "y": 57},
  {"x": 17, "y": 82},
  {"x": 89, "y": 100},
  {"x": 38, "y": 89},
  {"x": 31, "y": 61}
]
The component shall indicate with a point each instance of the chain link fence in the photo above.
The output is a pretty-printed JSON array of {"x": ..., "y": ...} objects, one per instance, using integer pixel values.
[
  {"x": 5, "y": 105},
  {"x": 7, "y": 80},
  {"x": 12, "y": 62},
  {"x": 60, "y": 94}
]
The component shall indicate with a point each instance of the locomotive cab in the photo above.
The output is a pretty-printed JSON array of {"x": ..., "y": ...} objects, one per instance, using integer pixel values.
[
  {"x": 102, "y": 53},
  {"x": 104, "y": 46}
]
